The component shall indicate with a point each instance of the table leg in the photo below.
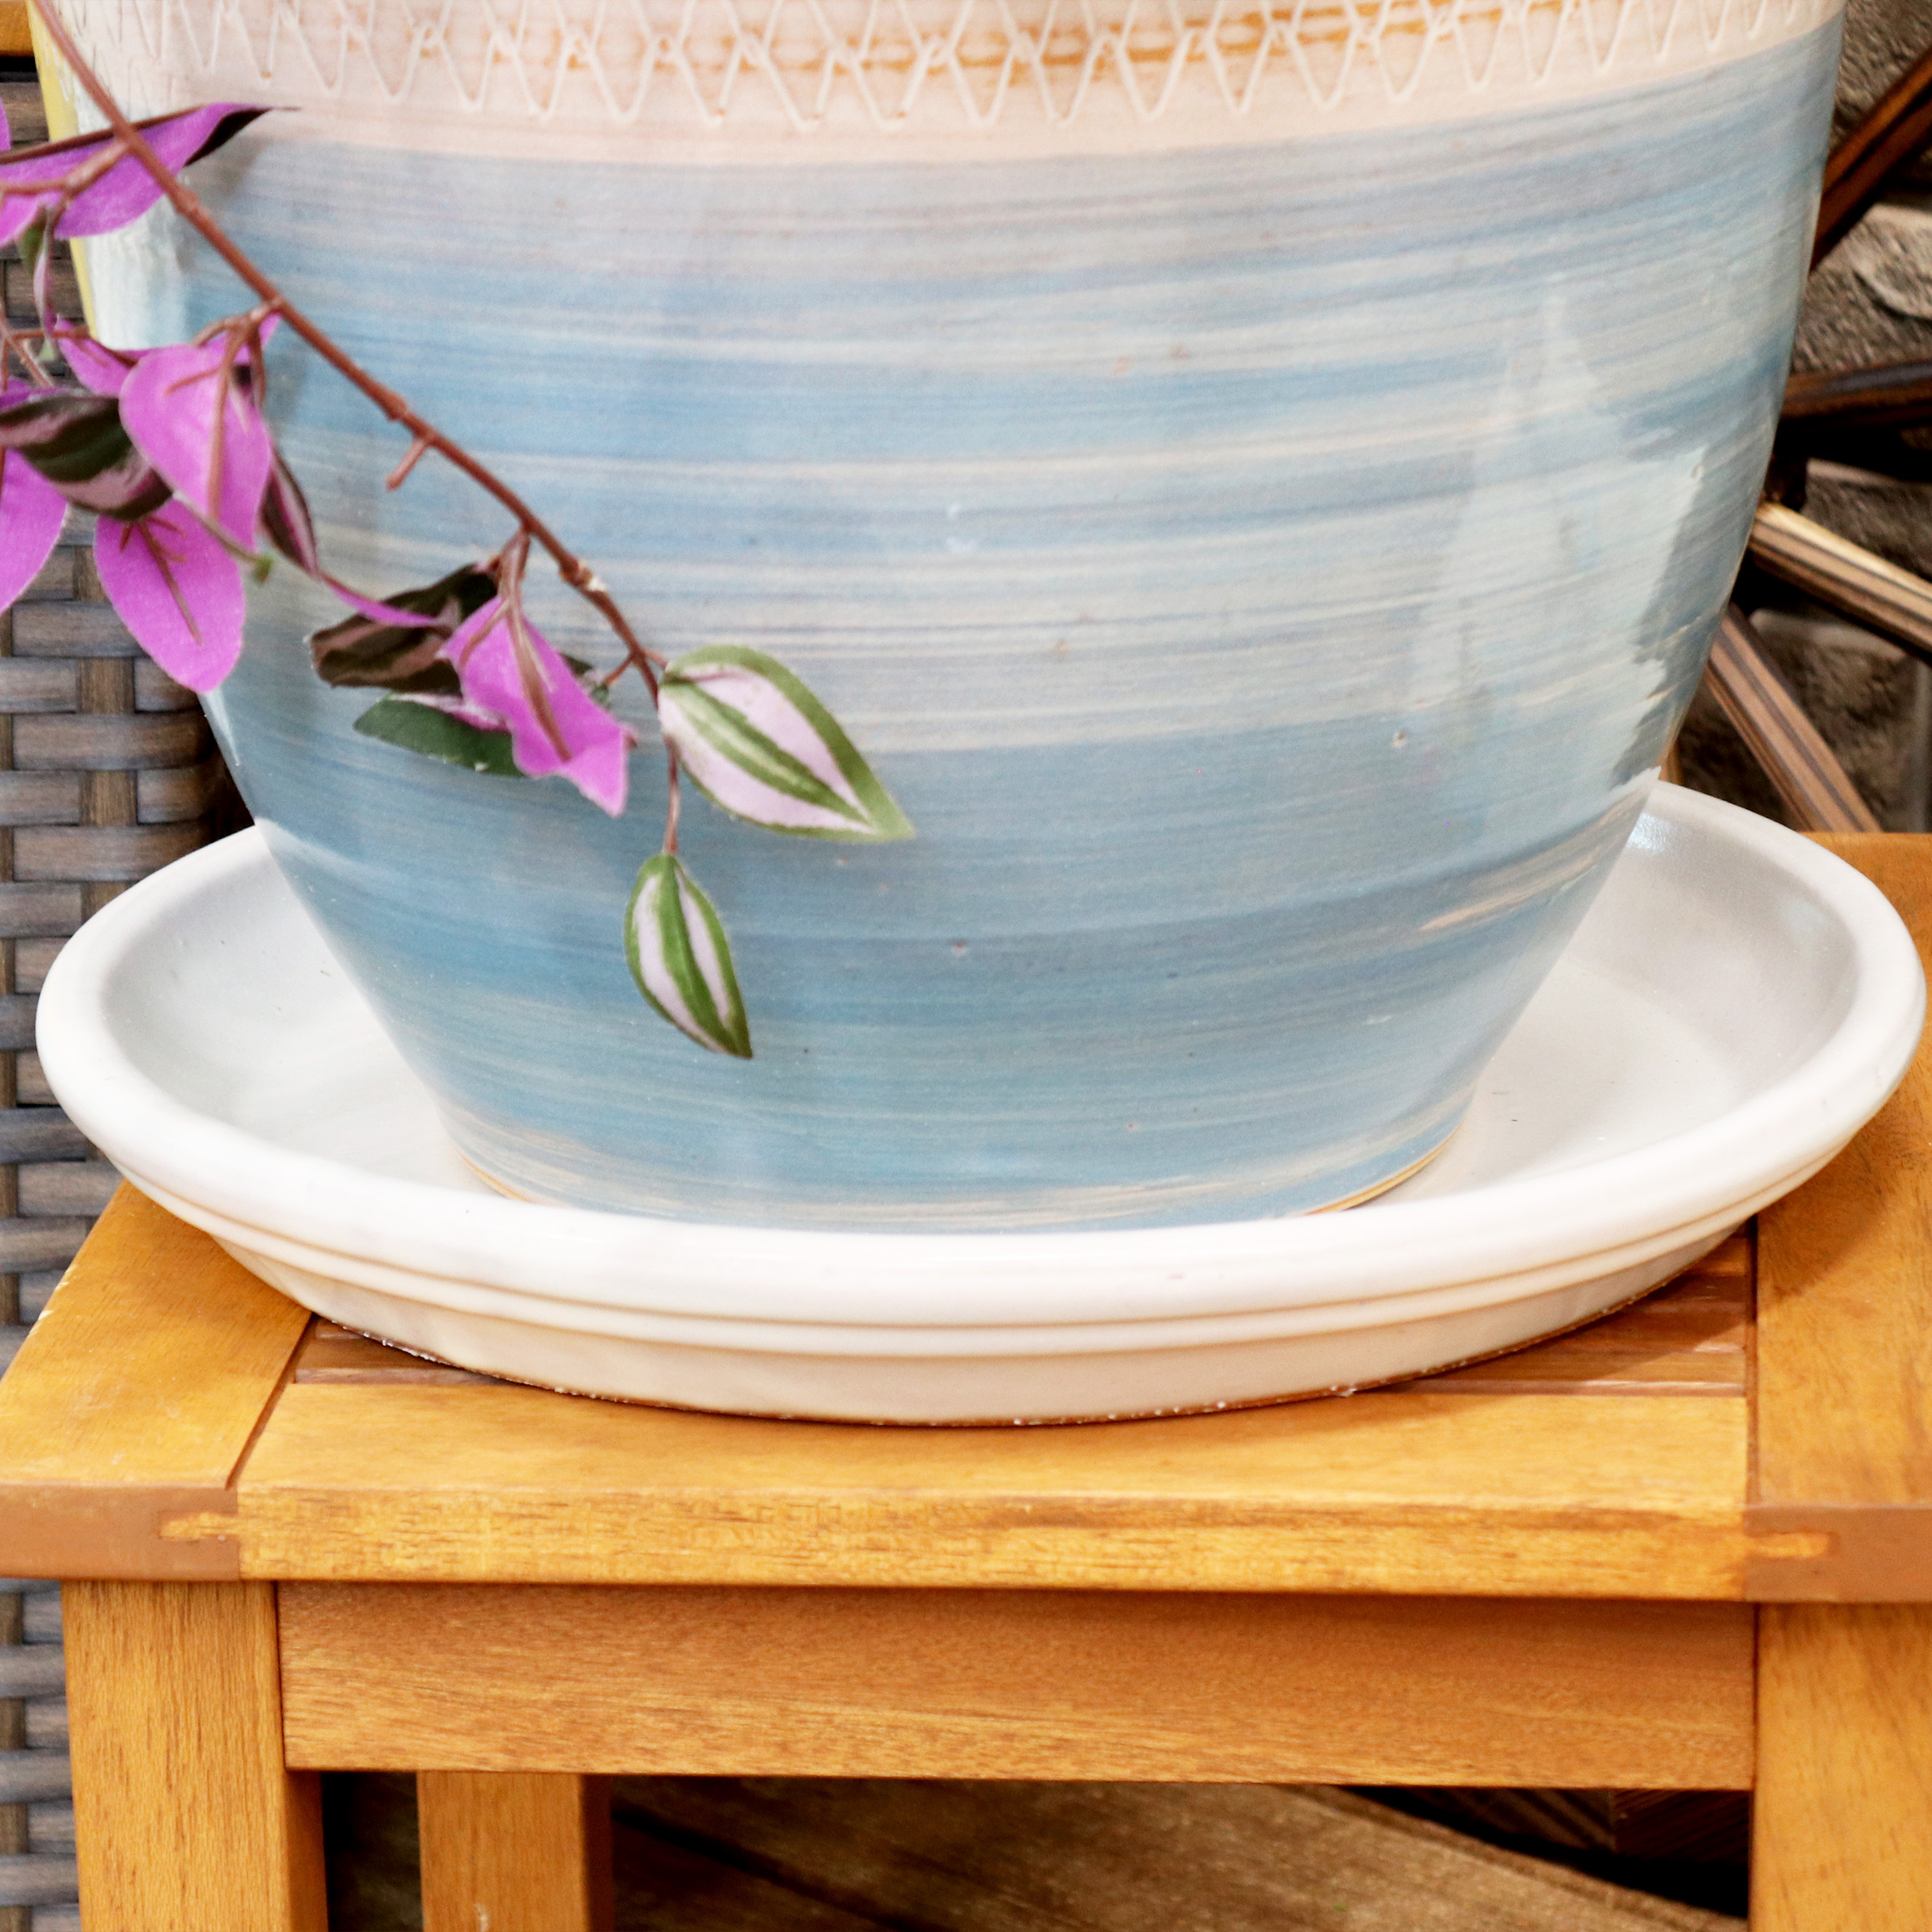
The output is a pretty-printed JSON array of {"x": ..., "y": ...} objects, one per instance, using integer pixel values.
[
  {"x": 1842, "y": 1841},
  {"x": 514, "y": 1852},
  {"x": 186, "y": 1818}
]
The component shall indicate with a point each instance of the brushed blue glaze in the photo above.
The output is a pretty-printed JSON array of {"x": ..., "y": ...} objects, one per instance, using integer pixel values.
[{"x": 1267, "y": 577}]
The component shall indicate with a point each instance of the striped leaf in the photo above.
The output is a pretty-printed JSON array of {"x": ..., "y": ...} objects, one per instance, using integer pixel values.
[
  {"x": 368, "y": 649},
  {"x": 77, "y": 442},
  {"x": 681, "y": 959},
  {"x": 758, "y": 744}
]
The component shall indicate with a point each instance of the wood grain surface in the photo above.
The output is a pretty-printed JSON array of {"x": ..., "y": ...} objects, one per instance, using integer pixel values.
[
  {"x": 134, "y": 1400},
  {"x": 185, "y": 1818},
  {"x": 1889, "y": 395},
  {"x": 514, "y": 1852},
  {"x": 1018, "y": 1684},
  {"x": 982, "y": 1857},
  {"x": 840, "y": 1854},
  {"x": 1764, "y": 710},
  {"x": 1842, "y": 1838},
  {"x": 1691, "y": 1338},
  {"x": 330, "y": 1353},
  {"x": 1886, "y": 140},
  {"x": 1851, "y": 579},
  {"x": 1843, "y": 1453},
  {"x": 1407, "y": 1491},
  {"x": 1844, "y": 1456}
]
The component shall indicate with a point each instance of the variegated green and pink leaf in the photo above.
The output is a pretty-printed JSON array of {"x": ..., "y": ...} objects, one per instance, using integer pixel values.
[
  {"x": 759, "y": 745},
  {"x": 681, "y": 959}
]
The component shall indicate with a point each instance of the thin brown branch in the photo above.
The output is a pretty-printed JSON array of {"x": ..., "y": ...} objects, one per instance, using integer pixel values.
[
  {"x": 218, "y": 446},
  {"x": 398, "y": 476},
  {"x": 255, "y": 370},
  {"x": 674, "y": 797},
  {"x": 188, "y": 205},
  {"x": 13, "y": 342},
  {"x": 229, "y": 324},
  {"x": 69, "y": 187}
]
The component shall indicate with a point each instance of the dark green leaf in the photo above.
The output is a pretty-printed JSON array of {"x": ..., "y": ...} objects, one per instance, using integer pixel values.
[
  {"x": 31, "y": 240},
  {"x": 434, "y": 733}
]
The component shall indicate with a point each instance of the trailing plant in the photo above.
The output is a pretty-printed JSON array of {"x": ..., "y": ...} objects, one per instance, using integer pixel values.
[{"x": 170, "y": 447}]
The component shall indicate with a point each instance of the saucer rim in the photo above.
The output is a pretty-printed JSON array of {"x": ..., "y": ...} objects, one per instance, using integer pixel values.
[{"x": 324, "y": 1213}]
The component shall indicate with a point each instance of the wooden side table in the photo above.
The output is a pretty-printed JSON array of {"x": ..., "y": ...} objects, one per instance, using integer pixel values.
[{"x": 1688, "y": 1548}]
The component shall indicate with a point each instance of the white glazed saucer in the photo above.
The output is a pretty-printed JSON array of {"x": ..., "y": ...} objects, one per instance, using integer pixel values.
[{"x": 1737, "y": 1003}]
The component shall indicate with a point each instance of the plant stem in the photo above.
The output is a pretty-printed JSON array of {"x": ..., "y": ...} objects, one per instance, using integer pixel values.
[
  {"x": 570, "y": 567},
  {"x": 674, "y": 797},
  {"x": 14, "y": 342}
]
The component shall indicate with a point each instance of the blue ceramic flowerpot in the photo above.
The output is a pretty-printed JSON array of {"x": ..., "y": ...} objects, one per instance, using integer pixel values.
[{"x": 1257, "y": 488}]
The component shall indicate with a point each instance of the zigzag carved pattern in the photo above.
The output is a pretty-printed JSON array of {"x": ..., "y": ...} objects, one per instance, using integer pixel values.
[{"x": 891, "y": 64}]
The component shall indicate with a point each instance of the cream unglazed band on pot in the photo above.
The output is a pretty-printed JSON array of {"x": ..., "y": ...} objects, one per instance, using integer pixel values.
[{"x": 930, "y": 79}]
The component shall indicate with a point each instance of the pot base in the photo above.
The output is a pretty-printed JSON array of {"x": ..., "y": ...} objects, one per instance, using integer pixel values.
[
  {"x": 1355, "y": 1200},
  {"x": 1736, "y": 1004}
]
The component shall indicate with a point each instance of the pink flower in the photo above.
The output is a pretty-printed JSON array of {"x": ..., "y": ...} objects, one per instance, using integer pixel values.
[
  {"x": 191, "y": 412},
  {"x": 525, "y": 689},
  {"x": 96, "y": 367},
  {"x": 31, "y": 511},
  {"x": 127, "y": 191},
  {"x": 177, "y": 589},
  {"x": 167, "y": 398}
]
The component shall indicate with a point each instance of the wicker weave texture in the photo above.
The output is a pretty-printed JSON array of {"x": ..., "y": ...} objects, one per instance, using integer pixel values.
[
  {"x": 38, "y": 1885},
  {"x": 107, "y": 772}
]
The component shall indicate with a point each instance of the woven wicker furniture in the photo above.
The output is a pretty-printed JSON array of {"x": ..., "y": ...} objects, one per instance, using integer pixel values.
[
  {"x": 106, "y": 772},
  {"x": 1687, "y": 1549}
]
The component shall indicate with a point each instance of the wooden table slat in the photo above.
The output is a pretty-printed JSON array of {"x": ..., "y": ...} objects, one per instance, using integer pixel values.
[
  {"x": 330, "y": 1354},
  {"x": 1842, "y": 1470},
  {"x": 1402, "y": 1490},
  {"x": 132, "y": 1402},
  {"x": 1690, "y": 1338},
  {"x": 1019, "y": 1683}
]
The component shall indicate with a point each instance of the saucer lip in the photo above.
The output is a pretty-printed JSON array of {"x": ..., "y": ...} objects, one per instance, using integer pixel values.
[
  {"x": 829, "y": 1280},
  {"x": 1210, "y": 1326}
]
